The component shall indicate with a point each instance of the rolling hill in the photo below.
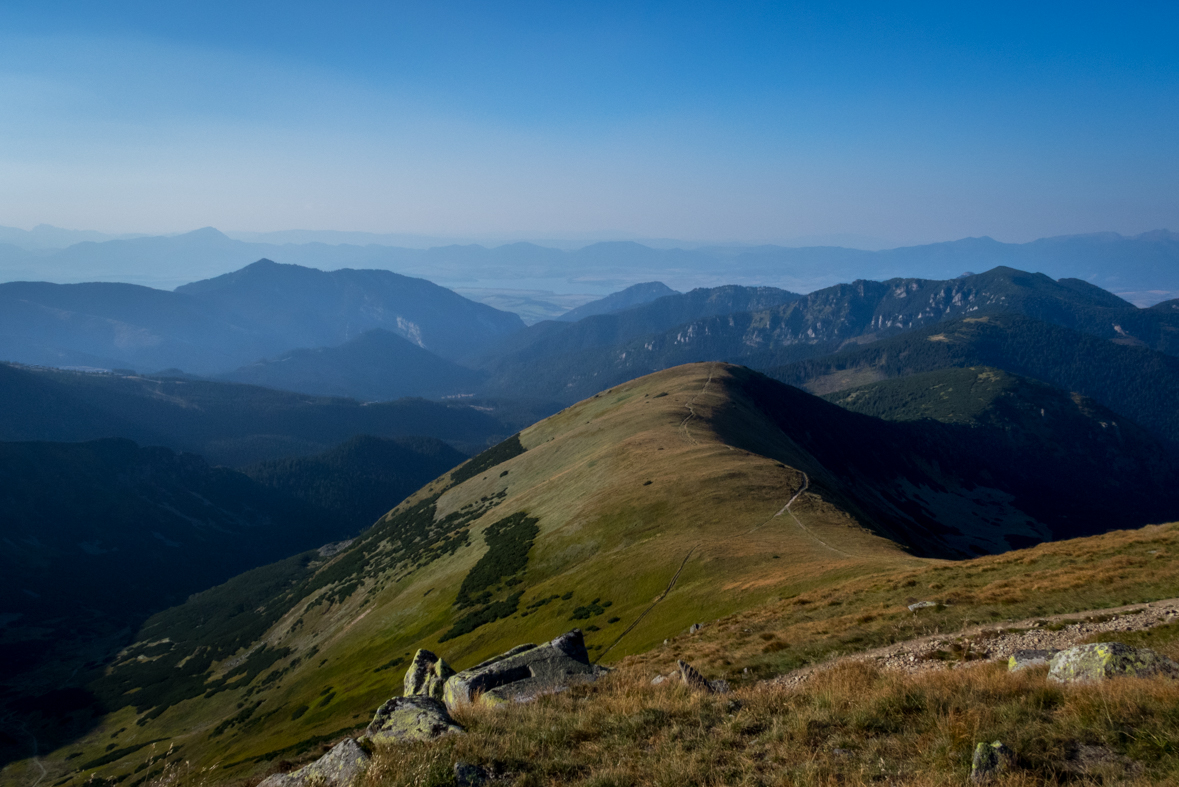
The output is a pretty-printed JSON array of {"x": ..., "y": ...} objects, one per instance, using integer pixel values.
[
  {"x": 217, "y": 325},
  {"x": 376, "y": 366},
  {"x": 687, "y": 495},
  {"x": 634, "y": 295},
  {"x": 228, "y": 423}
]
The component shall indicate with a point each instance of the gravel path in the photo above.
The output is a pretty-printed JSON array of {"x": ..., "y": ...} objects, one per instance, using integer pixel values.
[{"x": 996, "y": 642}]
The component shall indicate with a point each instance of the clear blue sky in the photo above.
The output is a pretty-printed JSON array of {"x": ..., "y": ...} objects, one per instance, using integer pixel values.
[{"x": 704, "y": 121}]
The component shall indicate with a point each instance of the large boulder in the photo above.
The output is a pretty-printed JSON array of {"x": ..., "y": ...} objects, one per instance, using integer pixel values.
[
  {"x": 427, "y": 675},
  {"x": 410, "y": 719},
  {"x": 341, "y": 767},
  {"x": 523, "y": 673},
  {"x": 1107, "y": 660}
]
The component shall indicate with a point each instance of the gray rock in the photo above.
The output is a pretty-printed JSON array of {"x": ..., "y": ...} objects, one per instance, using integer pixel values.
[
  {"x": 693, "y": 679},
  {"x": 1107, "y": 660},
  {"x": 341, "y": 767},
  {"x": 922, "y": 605},
  {"x": 410, "y": 719},
  {"x": 695, "y": 627},
  {"x": 523, "y": 673},
  {"x": 427, "y": 675},
  {"x": 1022, "y": 659},
  {"x": 467, "y": 775},
  {"x": 990, "y": 760}
]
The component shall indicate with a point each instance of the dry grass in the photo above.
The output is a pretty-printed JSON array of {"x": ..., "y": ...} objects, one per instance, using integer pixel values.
[{"x": 850, "y": 725}]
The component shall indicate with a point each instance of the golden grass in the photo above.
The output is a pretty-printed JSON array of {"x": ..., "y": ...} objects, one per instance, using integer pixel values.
[{"x": 851, "y": 725}]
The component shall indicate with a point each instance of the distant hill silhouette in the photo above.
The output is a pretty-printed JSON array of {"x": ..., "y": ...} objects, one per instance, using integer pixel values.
[
  {"x": 220, "y": 324},
  {"x": 635, "y": 295},
  {"x": 375, "y": 366}
]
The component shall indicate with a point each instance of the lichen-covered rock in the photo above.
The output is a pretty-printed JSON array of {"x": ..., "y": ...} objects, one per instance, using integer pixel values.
[
  {"x": 341, "y": 767},
  {"x": 410, "y": 719},
  {"x": 1107, "y": 660},
  {"x": 426, "y": 676},
  {"x": 1022, "y": 659},
  {"x": 523, "y": 673},
  {"x": 990, "y": 760}
]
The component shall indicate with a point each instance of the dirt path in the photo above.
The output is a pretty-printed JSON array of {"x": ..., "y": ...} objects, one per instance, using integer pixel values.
[
  {"x": 692, "y": 413},
  {"x": 662, "y": 596},
  {"x": 990, "y": 641}
]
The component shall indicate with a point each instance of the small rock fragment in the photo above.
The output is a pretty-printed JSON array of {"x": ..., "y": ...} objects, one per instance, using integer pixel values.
[
  {"x": 467, "y": 775},
  {"x": 695, "y": 627},
  {"x": 922, "y": 605},
  {"x": 990, "y": 760},
  {"x": 693, "y": 679}
]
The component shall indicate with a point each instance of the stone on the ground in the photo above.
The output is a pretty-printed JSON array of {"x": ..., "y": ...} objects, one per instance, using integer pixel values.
[
  {"x": 695, "y": 627},
  {"x": 922, "y": 605},
  {"x": 697, "y": 682},
  {"x": 1107, "y": 660},
  {"x": 990, "y": 760},
  {"x": 1022, "y": 659},
  {"x": 467, "y": 775},
  {"x": 341, "y": 767},
  {"x": 410, "y": 719},
  {"x": 427, "y": 675},
  {"x": 523, "y": 673}
]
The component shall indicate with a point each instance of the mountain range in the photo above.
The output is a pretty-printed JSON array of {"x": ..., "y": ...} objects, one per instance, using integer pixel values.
[
  {"x": 217, "y": 325},
  {"x": 1141, "y": 267}
]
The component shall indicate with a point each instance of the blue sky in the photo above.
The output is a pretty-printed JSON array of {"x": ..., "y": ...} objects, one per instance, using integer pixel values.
[{"x": 705, "y": 121}]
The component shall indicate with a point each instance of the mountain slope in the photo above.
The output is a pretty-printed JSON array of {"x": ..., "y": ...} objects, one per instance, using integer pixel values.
[
  {"x": 98, "y": 536},
  {"x": 708, "y": 484},
  {"x": 375, "y": 366},
  {"x": 1132, "y": 381},
  {"x": 634, "y": 295},
  {"x": 359, "y": 478},
  {"x": 817, "y": 324},
  {"x": 220, "y": 324},
  {"x": 225, "y": 422},
  {"x": 569, "y": 362},
  {"x": 314, "y": 308}
]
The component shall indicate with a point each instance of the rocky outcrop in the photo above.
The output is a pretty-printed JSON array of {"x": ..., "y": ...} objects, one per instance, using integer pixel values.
[
  {"x": 341, "y": 767},
  {"x": 990, "y": 760},
  {"x": 399, "y": 719},
  {"x": 410, "y": 719},
  {"x": 427, "y": 675},
  {"x": 1107, "y": 660},
  {"x": 523, "y": 673}
]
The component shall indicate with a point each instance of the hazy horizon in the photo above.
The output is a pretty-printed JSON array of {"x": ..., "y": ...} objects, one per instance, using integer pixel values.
[{"x": 717, "y": 123}]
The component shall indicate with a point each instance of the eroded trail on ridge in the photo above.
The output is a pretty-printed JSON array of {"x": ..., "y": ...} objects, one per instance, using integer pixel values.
[{"x": 997, "y": 642}]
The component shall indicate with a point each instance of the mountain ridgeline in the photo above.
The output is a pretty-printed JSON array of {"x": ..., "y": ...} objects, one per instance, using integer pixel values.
[
  {"x": 219, "y": 324},
  {"x": 704, "y": 476}
]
